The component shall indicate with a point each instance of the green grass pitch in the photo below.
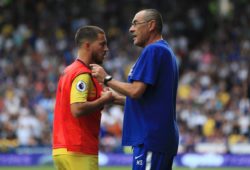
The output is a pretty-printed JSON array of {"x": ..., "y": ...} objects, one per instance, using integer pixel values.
[{"x": 116, "y": 168}]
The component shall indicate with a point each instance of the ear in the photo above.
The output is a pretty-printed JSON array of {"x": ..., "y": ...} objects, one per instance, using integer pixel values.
[
  {"x": 86, "y": 45},
  {"x": 152, "y": 25}
]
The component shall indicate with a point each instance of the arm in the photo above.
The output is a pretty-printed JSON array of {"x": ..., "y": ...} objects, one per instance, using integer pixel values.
[
  {"x": 118, "y": 98},
  {"x": 133, "y": 90},
  {"x": 88, "y": 107},
  {"x": 82, "y": 86}
]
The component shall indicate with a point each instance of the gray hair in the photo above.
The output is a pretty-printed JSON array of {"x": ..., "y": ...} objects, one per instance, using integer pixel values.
[{"x": 153, "y": 14}]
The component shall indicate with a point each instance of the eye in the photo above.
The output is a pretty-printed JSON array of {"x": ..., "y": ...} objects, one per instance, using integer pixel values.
[
  {"x": 134, "y": 23},
  {"x": 103, "y": 44}
]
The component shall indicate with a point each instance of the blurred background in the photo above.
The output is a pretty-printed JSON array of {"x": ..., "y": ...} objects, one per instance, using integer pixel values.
[{"x": 210, "y": 38}]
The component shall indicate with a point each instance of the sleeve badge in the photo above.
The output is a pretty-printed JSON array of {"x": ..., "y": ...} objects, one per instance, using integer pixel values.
[{"x": 81, "y": 86}]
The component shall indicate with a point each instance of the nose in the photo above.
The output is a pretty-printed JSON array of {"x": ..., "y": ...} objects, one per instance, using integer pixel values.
[
  {"x": 106, "y": 48},
  {"x": 131, "y": 29}
]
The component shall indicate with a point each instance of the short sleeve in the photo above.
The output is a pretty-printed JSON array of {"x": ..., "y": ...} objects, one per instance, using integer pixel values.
[
  {"x": 80, "y": 88},
  {"x": 147, "y": 66}
]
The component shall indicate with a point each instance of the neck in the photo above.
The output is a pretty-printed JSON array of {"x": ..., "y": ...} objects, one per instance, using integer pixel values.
[
  {"x": 153, "y": 39},
  {"x": 84, "y": 57}
]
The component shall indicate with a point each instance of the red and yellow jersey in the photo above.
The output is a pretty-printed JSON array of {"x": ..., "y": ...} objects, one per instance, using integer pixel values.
[
  {"x": 82, "y": 89},
  {"x": 78, "y": 135}
]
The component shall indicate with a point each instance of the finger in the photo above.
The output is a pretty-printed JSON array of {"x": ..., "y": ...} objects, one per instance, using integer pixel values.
[
  {"x": 106, "y": 89},
  {"x": 93, "y": 65}
]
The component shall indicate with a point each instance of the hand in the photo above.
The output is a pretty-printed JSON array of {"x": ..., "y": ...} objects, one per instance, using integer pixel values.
[
  {"x": 118, "y": 98},
  {"x": 98, "y": 72},
  {"x": 116, "y": 95},
  {"x": 104, "y": 89},
  {"x": 108, "y": 95}
]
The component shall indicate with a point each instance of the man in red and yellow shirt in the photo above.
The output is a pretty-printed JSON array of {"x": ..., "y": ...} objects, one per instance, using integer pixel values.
[{"x": 79, "y": 101}]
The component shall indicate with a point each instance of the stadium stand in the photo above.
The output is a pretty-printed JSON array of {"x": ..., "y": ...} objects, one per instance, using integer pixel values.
[{"x": 211, "y": 40}]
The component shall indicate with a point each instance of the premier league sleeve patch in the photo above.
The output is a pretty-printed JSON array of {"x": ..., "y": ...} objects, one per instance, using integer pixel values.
[{"x": 81, "y": 86}]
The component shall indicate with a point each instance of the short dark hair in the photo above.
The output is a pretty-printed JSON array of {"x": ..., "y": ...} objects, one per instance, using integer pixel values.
[
  {"x": 153, "y": 14},
  {"x": 87, "y": 33}
]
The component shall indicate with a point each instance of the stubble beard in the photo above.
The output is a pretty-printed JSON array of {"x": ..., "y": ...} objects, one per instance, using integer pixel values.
[{"x": 97, "y": 60}]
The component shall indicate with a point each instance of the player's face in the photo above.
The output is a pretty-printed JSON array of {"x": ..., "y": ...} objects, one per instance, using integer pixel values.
[
  {"x": 139, "y": 30},
  {"x": 99, "y": 49}
]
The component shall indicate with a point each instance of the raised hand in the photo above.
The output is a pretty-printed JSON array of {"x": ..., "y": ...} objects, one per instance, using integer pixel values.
[{"x": 98, "y": 72}]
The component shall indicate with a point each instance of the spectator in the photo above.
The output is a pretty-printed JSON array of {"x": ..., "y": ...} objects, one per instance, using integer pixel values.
[{"x": 213, "y": 52}]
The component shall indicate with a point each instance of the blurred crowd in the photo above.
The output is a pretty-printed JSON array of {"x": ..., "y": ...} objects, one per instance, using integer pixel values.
[{"x": 211, "y": 40}]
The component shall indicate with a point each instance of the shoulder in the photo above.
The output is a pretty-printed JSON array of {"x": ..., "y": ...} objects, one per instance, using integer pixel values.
[
  {"x": 160, "y": 49},
  {"x": 156, "y": 46},
  {"x": 71, "y": 67},
  {"x": 83, "y": 76},
  {"x": 76, "y": 68},
  {"x": 81, "y": 81}
]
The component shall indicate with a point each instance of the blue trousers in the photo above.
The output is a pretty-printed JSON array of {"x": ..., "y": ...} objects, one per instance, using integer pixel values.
[{"x": 144, "y": 159}]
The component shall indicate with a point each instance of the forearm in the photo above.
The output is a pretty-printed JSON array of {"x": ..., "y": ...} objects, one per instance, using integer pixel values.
[
  {"x": 126, "y": 89},
  {"x": 88, "y": 107},
  {"x": 120, "y": 100},
  {"x": 133, "y": 90}
]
